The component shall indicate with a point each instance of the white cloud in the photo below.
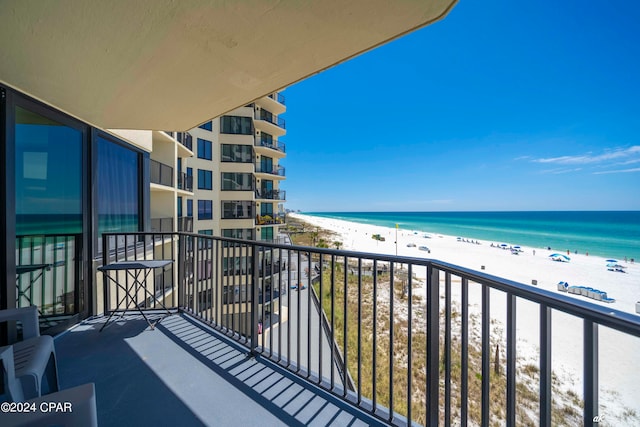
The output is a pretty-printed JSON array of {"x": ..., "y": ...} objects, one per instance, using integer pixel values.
[
  {"x": 618, "y": 171},
  {"x": 560, "y": 170},
  {"x": 589, "y": 158}
]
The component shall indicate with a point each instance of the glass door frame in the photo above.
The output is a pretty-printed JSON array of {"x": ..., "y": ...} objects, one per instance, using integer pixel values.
[{"x": 8, "y": 292}]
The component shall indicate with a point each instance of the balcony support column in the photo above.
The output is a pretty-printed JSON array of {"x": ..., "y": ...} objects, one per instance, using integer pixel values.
[
  {"x": 590, "y": 363},
  {"x": 433, "y": 337},
  {"x": 255, "y": 255}
]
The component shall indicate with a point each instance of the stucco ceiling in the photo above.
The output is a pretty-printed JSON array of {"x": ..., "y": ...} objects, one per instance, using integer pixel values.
[{"x": 173, "y": 64}]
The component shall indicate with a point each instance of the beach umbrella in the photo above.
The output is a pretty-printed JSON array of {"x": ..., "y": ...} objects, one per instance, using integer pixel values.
[
  {"x": 504, "y": 245},
  {"x": 516, "y": 247},
  {"x": 611, "y": 260}
]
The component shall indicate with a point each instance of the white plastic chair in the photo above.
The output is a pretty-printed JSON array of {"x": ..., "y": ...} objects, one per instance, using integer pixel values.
[
  {"x": 34, "y": 356},
  {"x": 73, "y": 407}
]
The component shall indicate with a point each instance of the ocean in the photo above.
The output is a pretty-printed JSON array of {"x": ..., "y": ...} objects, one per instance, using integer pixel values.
[{"x": 611, "y": 234}]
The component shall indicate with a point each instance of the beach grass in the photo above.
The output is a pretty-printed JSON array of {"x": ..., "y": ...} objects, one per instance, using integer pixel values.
[{"x": 370, "y": 325}]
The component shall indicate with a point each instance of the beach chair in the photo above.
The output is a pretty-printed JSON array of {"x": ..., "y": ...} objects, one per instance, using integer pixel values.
[
  {"x": 563, "y": 286},
  {"x": 34, "y": 358}
]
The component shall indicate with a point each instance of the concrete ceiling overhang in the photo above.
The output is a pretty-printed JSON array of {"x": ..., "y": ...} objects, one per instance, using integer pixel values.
[{"x": 173, "y": 64}]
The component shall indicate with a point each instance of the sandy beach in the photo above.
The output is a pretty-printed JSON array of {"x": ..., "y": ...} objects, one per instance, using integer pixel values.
[{"x": 619, "y": 377}]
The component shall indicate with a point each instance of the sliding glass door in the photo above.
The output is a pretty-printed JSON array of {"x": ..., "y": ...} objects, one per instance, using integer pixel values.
[{"x": 49, "y": 220}]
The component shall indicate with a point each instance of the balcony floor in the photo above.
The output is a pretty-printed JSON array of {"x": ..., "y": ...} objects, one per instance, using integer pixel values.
[{"x": 185, "y": 373}]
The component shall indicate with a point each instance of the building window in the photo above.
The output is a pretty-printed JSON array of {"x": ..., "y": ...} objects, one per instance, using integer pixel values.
[
  {"x": 208, "y": 232},
  {"x": 237, "y": 209},
  {"x": 204, "y": 149},
  {"x": 266, "y": 139},
  {"x": 236, "y": 265},
  {"x": 238, "y": 233},
  {"x": 205, "y": 209},
  {"x": 236, "y": 125},
  {"x": 207, "y": 126},
  {"x": 236, "y": 153},
  {"x": 266, "y": 233},
  {"x": 179, "y": 207},
  {"x": 204, "y": 179},
  {"x": 189, "y": 208},
  {"x": 266, "y": 209},
  {"x": 237, "y": 181},
  {"x": 48, "y": 175},
  {"x": 118, "y": 188}
]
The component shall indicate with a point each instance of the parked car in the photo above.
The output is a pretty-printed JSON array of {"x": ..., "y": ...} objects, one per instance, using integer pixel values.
[{"x": 424, "y": 248}]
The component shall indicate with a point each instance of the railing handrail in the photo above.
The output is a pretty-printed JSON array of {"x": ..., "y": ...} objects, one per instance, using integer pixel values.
[
  {"x": 327, "y": 262},
  {"x": 271, "y": 194},
  {"x": 271, "y": 118},
  {"x": 278, "y": 97},
  {"x": 273, "y": 170},
  {"x": 164, "y": 174},
  {"x": 603, "y": 315},
  {"x": 275, "y": 145}
]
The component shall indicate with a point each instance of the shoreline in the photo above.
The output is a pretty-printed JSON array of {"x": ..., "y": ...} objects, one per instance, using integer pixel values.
[
  {"x": 486, "y": 226},
  {"x": 530, "y": 264},
  {"x": 619, "y": 384}
]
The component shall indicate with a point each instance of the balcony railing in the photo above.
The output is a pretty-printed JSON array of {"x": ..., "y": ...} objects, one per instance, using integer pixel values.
[
  {"x": 271, "y": 194},
  {"x": 407, "y": 340},
  {"x": 268, "y": 117},
  {"x": 274, "y": 145},
  {"x": 161, "y": 225},
  {"x": 270, "y": 219},
  {"x": 278, "y": 97},
  {"x": 270, "y": 169},
  {"x": 185, "y": 182},
  {"x": 48, "y": 275},
  {"x": 185, "y": 223},
  {"x": 161, "y": 174},
  {"x": 185, "y": 139}
]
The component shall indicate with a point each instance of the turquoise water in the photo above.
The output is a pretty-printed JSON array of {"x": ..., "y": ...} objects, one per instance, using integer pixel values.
[{"x": 613, "y": 234}]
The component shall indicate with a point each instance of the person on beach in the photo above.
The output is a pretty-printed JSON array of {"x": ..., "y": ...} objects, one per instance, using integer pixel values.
[{"x": 534, "y": 252}]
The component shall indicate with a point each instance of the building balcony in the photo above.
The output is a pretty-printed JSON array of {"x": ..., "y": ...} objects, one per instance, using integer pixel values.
[
  {"x": 185, "y": 139},
  {"x": 161, "y": 173},
  {"x": 278, "y": 97},
  {"x": 271, "y": 194},
  {"x": 270, "y": 146},
  {"x": 273, "y": 219},
  {"x": 274, "y": 103},
  {"x": 185, "y": 224},
  {"x": 161, "y": 225},
  {"x": 337, "y": 337},
  {"x": 185, "y": 149},
  {"x": 185, "y": 182},
  {"x": 272, "y": 124},
  {"x": 270, "y": 169}
]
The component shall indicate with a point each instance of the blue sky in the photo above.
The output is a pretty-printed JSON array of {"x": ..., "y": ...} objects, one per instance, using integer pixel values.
[{"x": 500, "y": 106}]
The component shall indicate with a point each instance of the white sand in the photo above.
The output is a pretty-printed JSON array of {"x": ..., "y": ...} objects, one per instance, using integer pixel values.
[{"x": 619, "y": 370}]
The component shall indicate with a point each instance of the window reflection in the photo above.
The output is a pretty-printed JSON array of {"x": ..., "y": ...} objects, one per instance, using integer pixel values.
[
  {"x": 48, "y": 166},
  {"x": 48, "y": 201}
]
